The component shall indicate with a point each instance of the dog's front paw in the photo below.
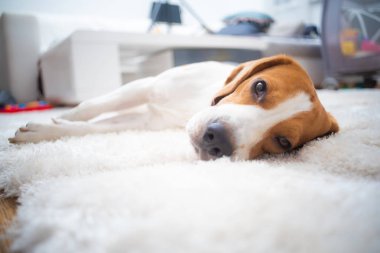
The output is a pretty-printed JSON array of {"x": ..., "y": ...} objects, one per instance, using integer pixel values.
[{"x": 33, "y": 133}]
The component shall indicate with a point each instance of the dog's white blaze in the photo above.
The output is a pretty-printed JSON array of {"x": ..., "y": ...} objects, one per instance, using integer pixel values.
[
  {"x": 248, "y": 123},
  {"x": 253, "y": 122}
]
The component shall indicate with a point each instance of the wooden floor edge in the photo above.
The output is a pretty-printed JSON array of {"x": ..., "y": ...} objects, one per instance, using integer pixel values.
[{"x": 8, "y": 207}]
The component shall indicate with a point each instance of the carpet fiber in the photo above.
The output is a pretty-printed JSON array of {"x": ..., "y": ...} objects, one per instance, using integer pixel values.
[{"x": 140, "y": 191}]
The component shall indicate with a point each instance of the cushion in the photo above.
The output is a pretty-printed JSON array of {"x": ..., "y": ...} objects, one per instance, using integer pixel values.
[{"x": 249, "y": 16}]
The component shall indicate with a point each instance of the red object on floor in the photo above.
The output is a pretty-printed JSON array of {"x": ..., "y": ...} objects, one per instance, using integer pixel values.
[{"x": 24, "y": 107}]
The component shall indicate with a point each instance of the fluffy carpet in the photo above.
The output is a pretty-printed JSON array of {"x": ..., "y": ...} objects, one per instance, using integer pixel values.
[{"x": 140, "y": 191}]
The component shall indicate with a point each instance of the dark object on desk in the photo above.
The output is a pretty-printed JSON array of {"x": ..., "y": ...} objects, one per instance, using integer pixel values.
[
  {"x": 241, "y": 29},
  {"x": 246, "y": 23},
  {"x": 310, "y": 31}
]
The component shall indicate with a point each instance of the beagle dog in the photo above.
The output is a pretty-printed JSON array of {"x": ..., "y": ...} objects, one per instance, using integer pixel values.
[{"x": 263, "y": 106}]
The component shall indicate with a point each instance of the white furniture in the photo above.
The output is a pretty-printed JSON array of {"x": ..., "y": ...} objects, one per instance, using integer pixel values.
[
  {"x": 19, "y": 52},
  {"x": 91, "y": 63},
  {"x": 24, "y": 37}
]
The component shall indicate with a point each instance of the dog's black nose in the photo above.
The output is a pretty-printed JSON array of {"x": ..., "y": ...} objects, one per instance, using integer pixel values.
[{"x": 215, "y": 141}]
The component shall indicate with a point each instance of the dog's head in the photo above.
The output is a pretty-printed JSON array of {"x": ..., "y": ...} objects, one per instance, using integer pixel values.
[{"x": 266, "y": 106}]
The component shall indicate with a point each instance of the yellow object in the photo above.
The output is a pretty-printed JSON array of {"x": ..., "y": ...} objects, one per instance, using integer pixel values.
[
  {"x": 348, "y": 48},
  {"x": 349, "y": 41}
]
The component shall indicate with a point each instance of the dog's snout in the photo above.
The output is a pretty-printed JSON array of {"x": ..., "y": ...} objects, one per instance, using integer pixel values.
[{"x": 215, "y": 141}]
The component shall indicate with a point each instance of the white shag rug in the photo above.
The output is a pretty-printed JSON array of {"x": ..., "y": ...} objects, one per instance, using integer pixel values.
[{"x": 140, "y": 191}]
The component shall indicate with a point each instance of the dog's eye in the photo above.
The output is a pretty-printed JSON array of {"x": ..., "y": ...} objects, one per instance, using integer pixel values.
[
  {"x": 283, "y": 142},
  {"x": 259, "y": 88}
]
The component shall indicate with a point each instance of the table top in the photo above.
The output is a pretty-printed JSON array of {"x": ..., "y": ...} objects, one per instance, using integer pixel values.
[{"x": 162, "y": 41}]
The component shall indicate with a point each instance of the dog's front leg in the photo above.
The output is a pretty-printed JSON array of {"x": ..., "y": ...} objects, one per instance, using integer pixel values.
[
  {"x": 35, "y": 132},
  {"x": 129, "y": 95},
  {"x": 145, "y": 118}
]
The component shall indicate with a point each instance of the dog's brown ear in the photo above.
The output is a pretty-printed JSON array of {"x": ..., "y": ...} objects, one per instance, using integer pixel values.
[
  {"x": 334, "y": 127},
  {"x": 247, "y": 69},
  {"x": 234, "y": 73}
]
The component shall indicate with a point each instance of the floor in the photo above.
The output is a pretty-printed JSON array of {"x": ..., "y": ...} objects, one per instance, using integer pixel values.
[{"x": 7, "y": 212}]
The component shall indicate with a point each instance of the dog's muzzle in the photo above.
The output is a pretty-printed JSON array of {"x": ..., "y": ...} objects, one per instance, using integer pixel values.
[{"x": 213, "y": 143}]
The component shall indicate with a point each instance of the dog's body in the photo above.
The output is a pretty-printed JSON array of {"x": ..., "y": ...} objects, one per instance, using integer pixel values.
[
  {"x": 265, "y": 106},
  {"x": 154, "y": 103}
]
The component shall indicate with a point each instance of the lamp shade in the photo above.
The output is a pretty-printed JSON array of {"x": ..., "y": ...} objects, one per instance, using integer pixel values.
[{"x": 165, "y": 13}]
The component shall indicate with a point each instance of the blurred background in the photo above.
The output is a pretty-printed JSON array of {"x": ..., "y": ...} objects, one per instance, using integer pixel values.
[
  {"x": 212, "y": 11},
  {"x": 68, "y": 51}
]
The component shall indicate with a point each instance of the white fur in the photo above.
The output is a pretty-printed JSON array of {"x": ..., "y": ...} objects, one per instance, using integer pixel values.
[
  {"x": 247, "y": 123},
  {"x": 126, "y": 192}
]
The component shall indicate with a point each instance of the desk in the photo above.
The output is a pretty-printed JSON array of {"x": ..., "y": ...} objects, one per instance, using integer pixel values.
[{"x": 91, "y": 63}]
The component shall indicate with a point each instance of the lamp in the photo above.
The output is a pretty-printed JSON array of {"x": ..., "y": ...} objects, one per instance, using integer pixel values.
[
  {"x": 164, "y": 12},
  {"x": 171, "y": 13}
]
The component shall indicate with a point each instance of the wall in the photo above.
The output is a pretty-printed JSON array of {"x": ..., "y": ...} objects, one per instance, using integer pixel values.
[
  {"x": 307, "y": 11},
  {"x": 212, "y": 11}
]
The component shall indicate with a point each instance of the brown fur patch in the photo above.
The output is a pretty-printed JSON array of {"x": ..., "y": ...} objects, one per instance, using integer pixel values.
[{"x": 284, "y": 79}]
